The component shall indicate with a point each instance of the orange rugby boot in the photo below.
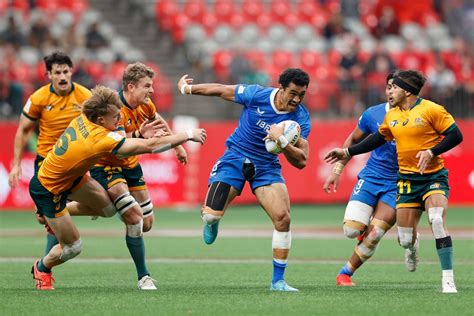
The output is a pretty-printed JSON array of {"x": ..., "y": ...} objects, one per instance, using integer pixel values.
[
  {"x": 344, "y": 280},
  {"x": 43, "y": 280}
]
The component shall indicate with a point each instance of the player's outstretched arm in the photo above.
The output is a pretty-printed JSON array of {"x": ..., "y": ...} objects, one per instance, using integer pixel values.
[
  {"x": 333, "y": 178},
  {"x": 186, "y": 86},
  {"x": 180, "y": 151},
  {"x": 25, "y": 127},
  {"x": 137, "y": 146}
]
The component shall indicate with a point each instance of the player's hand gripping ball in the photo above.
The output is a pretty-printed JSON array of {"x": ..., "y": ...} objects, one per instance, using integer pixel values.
[{"x": 291, "y": 131}]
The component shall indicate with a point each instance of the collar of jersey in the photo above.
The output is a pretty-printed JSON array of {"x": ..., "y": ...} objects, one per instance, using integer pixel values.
[
  {"x": 272, "y": 102},
  {"x": 418, "y": 101},
  {"x": 122, "y": 98},
  {"x": 51, "y": 89}
]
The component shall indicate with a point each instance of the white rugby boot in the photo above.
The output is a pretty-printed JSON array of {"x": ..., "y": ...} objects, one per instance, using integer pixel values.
[{"x": 147, "y": 283}]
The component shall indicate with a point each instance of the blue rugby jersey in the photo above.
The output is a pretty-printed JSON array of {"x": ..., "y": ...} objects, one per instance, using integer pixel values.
[
  {"x": 258, "y": 114},
  {"x": 383, "y": 161}
]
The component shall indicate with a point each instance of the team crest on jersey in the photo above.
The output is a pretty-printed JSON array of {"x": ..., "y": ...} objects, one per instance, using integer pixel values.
[
  {"x": 435, "y": 186},
  {"x": 418, "y": 122},
  {"x": 241, "y": 90},
  {"x": 129, "y": 122},
  {"x": 393, "y": 123},
  {"x": 48, "y": 107}
]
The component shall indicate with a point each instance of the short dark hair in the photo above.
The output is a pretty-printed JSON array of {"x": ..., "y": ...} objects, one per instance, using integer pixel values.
[
  {"x": 59, "y": 58},
  {"x": 390, "y": 76},
  {"x": 412, "y": 77},
  {"x": 295, "y": 75},
  {"x": 98, "y": 104}
]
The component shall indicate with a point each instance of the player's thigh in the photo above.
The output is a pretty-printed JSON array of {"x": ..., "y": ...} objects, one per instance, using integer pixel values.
[
  {"x": 64, "y": 228},
  {"x": 91, "y": 194},
  {"x": 385, "y": 213},
  {"x": 408, "y": 217},
  {"x": 274, "y": 199}
]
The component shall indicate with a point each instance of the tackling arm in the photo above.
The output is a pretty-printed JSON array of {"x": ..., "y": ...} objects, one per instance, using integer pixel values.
[
  {"x": 25, "y": 127},
  {"x": 137, "y": 146}
]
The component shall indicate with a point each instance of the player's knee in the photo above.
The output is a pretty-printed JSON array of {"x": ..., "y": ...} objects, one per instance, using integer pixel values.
[
  {"x": 124, "y": 203},
  {"x": 210, "y": 216},
  {"x": 147, "y": 223},
  {"x": 405, "y": 237},
  {"x": 71, "y": 250},
  {"x": 40, "y": 218},
  {"x": 109, "y": 210},
  {"x": 135, "y": 230},
  {"x": 435, "y": 216},
  {"x": 282, "y": 221},
  {"x": 351, "y": 232}
]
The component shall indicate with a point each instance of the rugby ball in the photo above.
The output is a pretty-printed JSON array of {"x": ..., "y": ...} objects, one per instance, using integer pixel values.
[{"x": 291, "y": 131}]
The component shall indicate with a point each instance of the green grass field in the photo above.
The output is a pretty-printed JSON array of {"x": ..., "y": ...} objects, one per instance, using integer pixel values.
[{"x": 232, "y": 276}]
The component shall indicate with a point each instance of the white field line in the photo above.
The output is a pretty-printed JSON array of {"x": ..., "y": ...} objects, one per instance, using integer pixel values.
[
  {"x": 220, "y": 261},
  {"x": 297, "y": 233}
]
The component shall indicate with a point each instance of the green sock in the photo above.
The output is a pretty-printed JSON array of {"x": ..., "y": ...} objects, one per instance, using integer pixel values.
[
  {"x": 51, "y": 241},
  {"x": 136, "y": 247},
  {"x": 444, "y": 246},
  {"x": 42, "y": 267}
]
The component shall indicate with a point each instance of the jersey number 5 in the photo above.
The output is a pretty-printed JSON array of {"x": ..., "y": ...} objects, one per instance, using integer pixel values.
[
  {"x": 63, "y": 142},
  {"x": 404, "y": 184}
]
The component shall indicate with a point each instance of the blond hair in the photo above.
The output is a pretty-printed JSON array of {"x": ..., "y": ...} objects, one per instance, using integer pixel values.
[
  {"x": 98, "y": 104},
  {"x": 134, "y": 72}
]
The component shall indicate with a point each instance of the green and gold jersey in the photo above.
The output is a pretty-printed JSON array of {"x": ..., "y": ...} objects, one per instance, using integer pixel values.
[{"x": 416, "y": 129}]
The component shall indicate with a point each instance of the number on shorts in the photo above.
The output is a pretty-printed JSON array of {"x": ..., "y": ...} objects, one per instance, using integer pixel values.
[
  {"x": 62, "y": 144},
  {"x": 214, "y": 168},
  {"x": 404, "y": 184}
]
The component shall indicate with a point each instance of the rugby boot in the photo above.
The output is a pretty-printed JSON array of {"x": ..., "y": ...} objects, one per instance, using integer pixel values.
[
  {"x": 282, "y": 286},
  {"x": 344, "y": 280},
  {"x": 43, "y": 280},
  {"x": 210, "y": 232}
]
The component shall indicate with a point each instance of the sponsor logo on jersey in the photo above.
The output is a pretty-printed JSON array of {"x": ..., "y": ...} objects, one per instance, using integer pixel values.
[
  {"x": 263, "y": 125},
  {"x": 115, "y": 136},
  {"x": 393, "y": 123},
  {"x": 129, "y": 122},
  {"x": 405, "y": 122},
  {"x": 48, "y": 107},
  {"x": 240, "y": 90},
  {"x": 76, "y": 107},
  {"x": 435, "y": 186},
  {"x": 260, "y": 112}
]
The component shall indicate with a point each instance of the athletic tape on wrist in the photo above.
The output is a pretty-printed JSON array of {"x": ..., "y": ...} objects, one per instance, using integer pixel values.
[
  {"x": 189, "y": 132},
  {"x": 283, "y": 141}
]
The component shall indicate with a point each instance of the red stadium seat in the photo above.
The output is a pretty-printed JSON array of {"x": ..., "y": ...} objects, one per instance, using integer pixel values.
[
  {"x": 224, "y": 9},
  {"x": 310, "y": 60},
  {"x": 307, "y": 9},
  {"x": 257, "y": 57},
  {"x": 264, "y": 21},
  {"x": 236, "y": 20},
  {"x": 20, "y": 5},
  {"x": 194, "y": 9},
  {"x": 221, "y": 64},
  {"x": 165, "y": 12},
  {"x": 279, "y": 9},
  {"x": 251, "y": 9},
  {"x": 179, "y": 23},
  {"x": 209, "y": 21},
  {"x": 95, "y": 70},
  {"x": 282, "y": 59}
]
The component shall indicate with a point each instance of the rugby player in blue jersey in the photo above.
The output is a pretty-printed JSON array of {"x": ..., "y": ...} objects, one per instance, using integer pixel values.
[
  {"x": 370, "y": 212},
  {"x": 246, "y": 158}
]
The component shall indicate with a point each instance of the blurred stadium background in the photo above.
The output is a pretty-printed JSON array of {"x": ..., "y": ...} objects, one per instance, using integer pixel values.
[{"x": 347, "y": 47}]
